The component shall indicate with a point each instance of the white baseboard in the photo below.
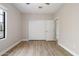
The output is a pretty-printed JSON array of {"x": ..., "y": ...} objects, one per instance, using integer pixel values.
[
  {"x": 74, "y": 54},
  {"x": 25, "y": 40},
  {"x": 51, "y": 40},
  {"x": 4, "y": 51},
  {"x": 38, "y": 39}
]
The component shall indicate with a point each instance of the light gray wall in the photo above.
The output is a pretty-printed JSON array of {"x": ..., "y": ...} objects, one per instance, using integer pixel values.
[
  {"x": 13, "y": 27},
  {"x": 68, "y": 31}
]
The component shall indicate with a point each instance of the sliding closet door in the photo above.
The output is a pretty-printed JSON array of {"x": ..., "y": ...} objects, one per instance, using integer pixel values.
[
  {"x": 41, "y": 30},
  {"x": 37, "y": 30}
]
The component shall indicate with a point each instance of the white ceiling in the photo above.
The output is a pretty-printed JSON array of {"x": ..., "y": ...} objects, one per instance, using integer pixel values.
[{"x": 32, "y": 8}]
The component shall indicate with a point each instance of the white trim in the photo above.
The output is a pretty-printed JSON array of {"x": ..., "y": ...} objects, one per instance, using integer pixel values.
[
  {"x": 4, "y": 51},
  {"x": 30, "y": 39},
  {"x": 25, "y": 40},
  {"x": 5, "y": 26},
  {"x": 51, "y": 40},
  {"x": 37, "y": 39},
  {"x": 73, "y": 53}
]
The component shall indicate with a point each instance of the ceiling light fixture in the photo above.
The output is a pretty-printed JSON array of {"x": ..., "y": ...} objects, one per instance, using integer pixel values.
[
  {"x": 27, "y": 3},
  {"x": 40, "y": 7},
  {"x": 47, "y": 3}
]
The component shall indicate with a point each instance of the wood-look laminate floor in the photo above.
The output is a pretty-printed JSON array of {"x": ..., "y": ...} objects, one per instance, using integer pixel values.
[{"x": 37, "y": 48}]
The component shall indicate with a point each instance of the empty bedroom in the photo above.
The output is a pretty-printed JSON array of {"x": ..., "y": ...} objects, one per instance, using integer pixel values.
[{"x": 39, "y": 29}]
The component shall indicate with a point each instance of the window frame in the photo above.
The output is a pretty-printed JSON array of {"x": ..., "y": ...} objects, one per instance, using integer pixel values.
[{"x": 3, "y": 25}]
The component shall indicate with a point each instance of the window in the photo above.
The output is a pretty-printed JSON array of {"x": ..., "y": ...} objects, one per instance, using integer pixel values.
[{"x": 2, "y": 24}]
